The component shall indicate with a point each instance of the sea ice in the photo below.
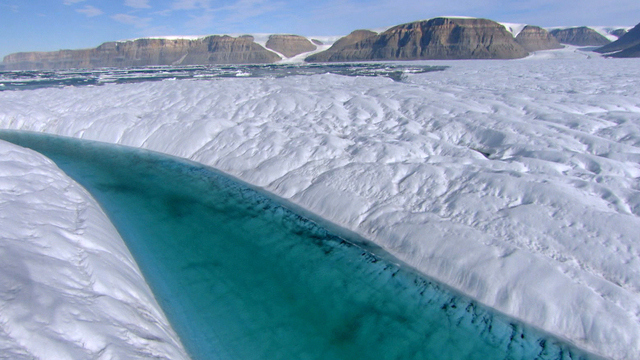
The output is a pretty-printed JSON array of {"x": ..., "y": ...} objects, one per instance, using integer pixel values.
[{"x": 515, "y": 182}]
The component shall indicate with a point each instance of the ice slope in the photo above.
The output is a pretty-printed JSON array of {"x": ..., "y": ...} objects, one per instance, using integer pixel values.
[
  {"x": 566, "y": 53},
  {"x": 69, "y": 288},
  {"x": 515, "y": 182}
]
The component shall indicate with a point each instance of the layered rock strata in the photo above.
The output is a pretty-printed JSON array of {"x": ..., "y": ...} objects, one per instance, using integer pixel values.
[
  {"x": 144, "y": 52},
  {"x": 439, "y": 38},
  {"x": 579, "y": 36},
  {"x": 345, "y": 48},
  {"x": 534, "y": 38},
  {"x": 290, "y": 45}
]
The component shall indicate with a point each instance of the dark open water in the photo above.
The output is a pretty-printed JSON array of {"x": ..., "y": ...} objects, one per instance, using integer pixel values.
[
  {"x": 36, "y": 79},
  {"x": 240, "y": 276}
]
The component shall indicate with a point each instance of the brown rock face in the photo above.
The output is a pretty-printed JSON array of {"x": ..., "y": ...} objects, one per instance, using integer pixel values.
[
  {"x": 580, "y": 36},
  {"x": 229, "y": 50},
  {"x": 534, "y": 38},
  {"x": 346, "y": 47},
  {"x": 143, "y": 52},
  {"x": 627, "y": 46},
  {"x": 439, "y": 38},
  {"x": 290, "y": 45}
]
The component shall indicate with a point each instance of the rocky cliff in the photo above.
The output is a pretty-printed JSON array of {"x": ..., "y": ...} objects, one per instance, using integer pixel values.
[
  {"x": 627, "y": 46},
  {"x": 439, "y": 38},
  {"x": 143, "y": 52},
  {"x": 580, "y": 36},
  {"x": 534, "y": 38},
  {"x": 345, "y": 48},
  {"x": 290, "y": 45}
]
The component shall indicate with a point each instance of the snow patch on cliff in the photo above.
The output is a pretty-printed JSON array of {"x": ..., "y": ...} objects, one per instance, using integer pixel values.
[{"x": 513, "y": 28}]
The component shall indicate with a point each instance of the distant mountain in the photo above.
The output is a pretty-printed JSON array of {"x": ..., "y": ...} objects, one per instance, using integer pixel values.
[
  {"x": 627, "y": 46},
  {"x": 534, "y": 38},
  {"x": 143, "y": 52},
  {"x": 290, "y": 45},
  {"x": 439, "y": 38},
  {"x": 580, "y": 36},
  {"x": 618, "y": 32}
]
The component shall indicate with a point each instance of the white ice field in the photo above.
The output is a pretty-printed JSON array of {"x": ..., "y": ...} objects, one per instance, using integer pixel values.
[
  {"x": 515, "y": 182},
  {"x": 69, "y": 288}
]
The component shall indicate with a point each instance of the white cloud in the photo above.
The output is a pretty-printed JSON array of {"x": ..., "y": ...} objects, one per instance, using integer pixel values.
[
  {"x": 165, "y": 12},
  {"x": 249, "y": 8},
  {"x": 201, "y": 22},
  {"x": 132, "y": 20},
  {"x": 90, "y": 11},
  {"x": 138, "y": 4},
  {"x": 71, "y": 2},
  {"x": 227, "y": 16},
  {"x": 190, "y": 4},
  {"x": 13, "y": 8}
]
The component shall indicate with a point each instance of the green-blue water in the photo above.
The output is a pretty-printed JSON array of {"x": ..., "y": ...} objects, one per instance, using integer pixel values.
[{"x": 242, "y": 277}]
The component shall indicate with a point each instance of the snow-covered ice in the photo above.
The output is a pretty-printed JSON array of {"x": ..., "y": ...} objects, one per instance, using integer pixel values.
[
  {"x": 69, "y": 288},
  {"x": 515, "y": 182}
]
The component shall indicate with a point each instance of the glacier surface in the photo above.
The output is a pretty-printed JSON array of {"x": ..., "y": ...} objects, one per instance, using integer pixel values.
[
  {"x": 514, "y": 182},
  {"x": 69, "y": 288}
]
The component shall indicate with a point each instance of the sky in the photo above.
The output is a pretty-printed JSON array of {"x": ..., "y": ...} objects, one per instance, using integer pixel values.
[{"x": 47, "y": 25}]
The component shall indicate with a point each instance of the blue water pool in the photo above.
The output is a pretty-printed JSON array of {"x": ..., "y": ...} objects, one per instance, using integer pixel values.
[{"x": 240, "y": 276}]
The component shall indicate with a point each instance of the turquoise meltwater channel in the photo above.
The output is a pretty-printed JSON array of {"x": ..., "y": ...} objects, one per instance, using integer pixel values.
[{"x": 240, "y": 276}]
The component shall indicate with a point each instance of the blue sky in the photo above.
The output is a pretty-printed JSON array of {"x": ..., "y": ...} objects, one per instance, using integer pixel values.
[{"x": 44, "y": 25}]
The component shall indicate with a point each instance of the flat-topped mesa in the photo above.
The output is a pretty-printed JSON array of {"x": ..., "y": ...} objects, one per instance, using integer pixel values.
[
  {"x": 627, "y": 45},
  {"x": 290, "y": 45},
  {"x": 213, "y": 49},
  {"x": 580, "y": 36},
  {"x": 230, "y": 50},
  {"x": 438, "y": 38},
  {"x": 534, "y": 38}
]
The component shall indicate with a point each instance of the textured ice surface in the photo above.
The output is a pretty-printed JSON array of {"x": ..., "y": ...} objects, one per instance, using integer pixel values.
[
  {"x": 69, "y": 288},
  {"x": 242, "y": 277},
  {"x": 515, "y": 182}
]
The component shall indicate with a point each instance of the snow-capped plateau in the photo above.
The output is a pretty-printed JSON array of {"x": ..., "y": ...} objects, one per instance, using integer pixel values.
[
  {"x": 514, "y": 182},
  {"x": 69, "y": 288}
]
